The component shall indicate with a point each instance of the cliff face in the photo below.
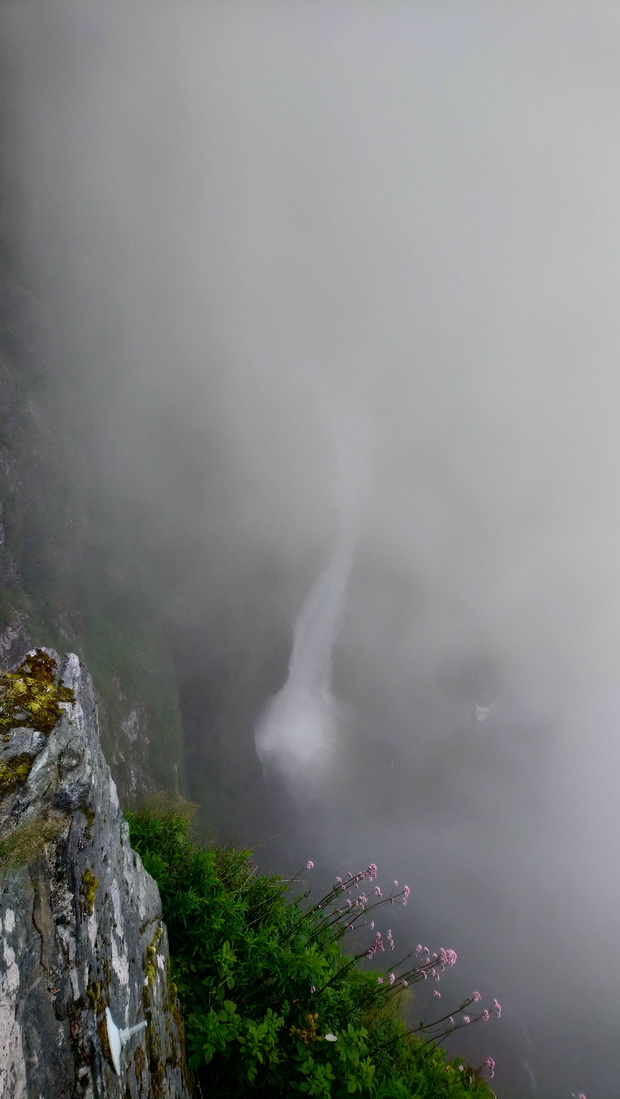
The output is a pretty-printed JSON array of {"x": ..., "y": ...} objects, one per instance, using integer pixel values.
[
  {"x": 80, "y": 919},
  {"x": 71, "y": 571}
]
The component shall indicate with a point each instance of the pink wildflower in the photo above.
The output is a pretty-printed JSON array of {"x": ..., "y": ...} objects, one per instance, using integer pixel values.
[
  {"x": 498, "y": 1009},
  {"x": 447, "y": 957},
  {"x": 372, "y": 871},
  {"x": 376, "y": 946},
  {"x": 418, "y": 948},
  {"x": 309, "y": 865},
  {"x": 437, "y": 993},
  {"x": 379, "y": 980},
  {"x": 466, "y": 1019},
  {"x": 485, "y": 1016},
  {"x": 490, "y": 1064},
  {"x": 377, "y": 891},
  {"x": 451, "y": 1020},
  {"x": 313, "y": 988},
  {"x": 392, "y": 978},
  {"x": 476, "y": 997}
]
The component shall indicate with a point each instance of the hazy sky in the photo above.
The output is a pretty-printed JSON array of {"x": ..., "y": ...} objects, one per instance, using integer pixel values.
[{"x": 407, "y": 213}]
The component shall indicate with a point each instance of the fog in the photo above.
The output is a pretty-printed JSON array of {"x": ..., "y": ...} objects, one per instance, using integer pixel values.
[{"x": 341, "y": 279}]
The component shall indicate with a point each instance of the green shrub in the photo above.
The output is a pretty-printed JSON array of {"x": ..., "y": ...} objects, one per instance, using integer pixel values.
[{"x": 273, "y": 1005}]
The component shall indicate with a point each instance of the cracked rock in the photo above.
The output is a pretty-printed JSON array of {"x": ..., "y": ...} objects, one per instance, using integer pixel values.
[{"x": 78, "y": 914}]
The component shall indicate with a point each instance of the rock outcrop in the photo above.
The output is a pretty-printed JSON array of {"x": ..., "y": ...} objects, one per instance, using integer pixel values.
[{"x": 80, "y": 919}]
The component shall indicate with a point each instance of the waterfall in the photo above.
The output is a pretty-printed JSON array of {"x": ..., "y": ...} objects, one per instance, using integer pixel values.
[{"x": 296, "y": 735}]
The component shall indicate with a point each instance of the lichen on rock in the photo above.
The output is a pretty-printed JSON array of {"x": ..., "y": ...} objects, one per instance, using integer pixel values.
[{"x": 31, "y": 696}]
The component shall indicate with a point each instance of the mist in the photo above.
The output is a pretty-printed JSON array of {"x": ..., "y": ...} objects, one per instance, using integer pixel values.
[{"x": 334, "y": 290}]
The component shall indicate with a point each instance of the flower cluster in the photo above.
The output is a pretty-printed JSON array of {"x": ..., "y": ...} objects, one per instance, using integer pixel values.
[
  {"x": 339, "y": 914},
  {"x": 376, "y": 946},
  {"x": 446, "y": 958}
]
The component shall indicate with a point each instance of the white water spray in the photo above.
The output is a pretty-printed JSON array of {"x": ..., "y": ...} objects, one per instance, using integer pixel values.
[{"x": 297, "y": 733}]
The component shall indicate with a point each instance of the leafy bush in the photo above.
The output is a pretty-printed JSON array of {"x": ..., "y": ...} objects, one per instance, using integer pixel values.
[{"x": 273, "y": 1005}]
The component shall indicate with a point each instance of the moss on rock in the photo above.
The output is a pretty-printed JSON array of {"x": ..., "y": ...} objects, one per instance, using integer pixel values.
[
  {"x": 31, "y": 696},
  {"x": 26, "y": 842},
  {"x": 14, "y": 772},
  {"x": 88, "y": 891}
]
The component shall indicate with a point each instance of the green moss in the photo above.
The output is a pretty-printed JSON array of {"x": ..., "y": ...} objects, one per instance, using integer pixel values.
[
  {"x": 153, "y": 1051},
  {"x": 102, "y": 1031},
  {"x": 95, "y": 996},
  {"x": 106, "y": 969},
  {"x": 139, "y": 1061},
  {"x": 172, "y": 988},
  {"x": 31, "y": 697},
  {"x": 175, "y": 1028},
  {"x": 25, "y": 843},
  {"x": 15, "y": 772},
  {"x": 90, "y": 820},
  {"x": 88, "y": 891},
  {"x": 150, "y": 958},
  {"x": 97, "y": 1004}
]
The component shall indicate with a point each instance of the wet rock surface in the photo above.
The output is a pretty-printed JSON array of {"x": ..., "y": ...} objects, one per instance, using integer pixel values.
[{"x": 80, "y": 921}]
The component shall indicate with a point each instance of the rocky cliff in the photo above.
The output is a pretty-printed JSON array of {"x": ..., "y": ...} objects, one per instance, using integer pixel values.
[
  {"x": 80, "y": 919},
  {"x": 71, "y": 570}
]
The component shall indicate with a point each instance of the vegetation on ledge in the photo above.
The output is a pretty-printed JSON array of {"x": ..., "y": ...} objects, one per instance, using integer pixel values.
[
  {"x": 30, "y": 696},
  {"x": 273, "y": 1004}
]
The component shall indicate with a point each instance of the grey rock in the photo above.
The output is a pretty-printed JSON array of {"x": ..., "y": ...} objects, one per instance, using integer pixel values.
[
  {"x": 13, "y": 642},
  {"x": 80, "y": 925}
]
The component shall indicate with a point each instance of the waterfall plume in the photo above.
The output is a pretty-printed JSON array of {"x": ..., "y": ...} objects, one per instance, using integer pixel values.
[{"x": 296, "y": 735}]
